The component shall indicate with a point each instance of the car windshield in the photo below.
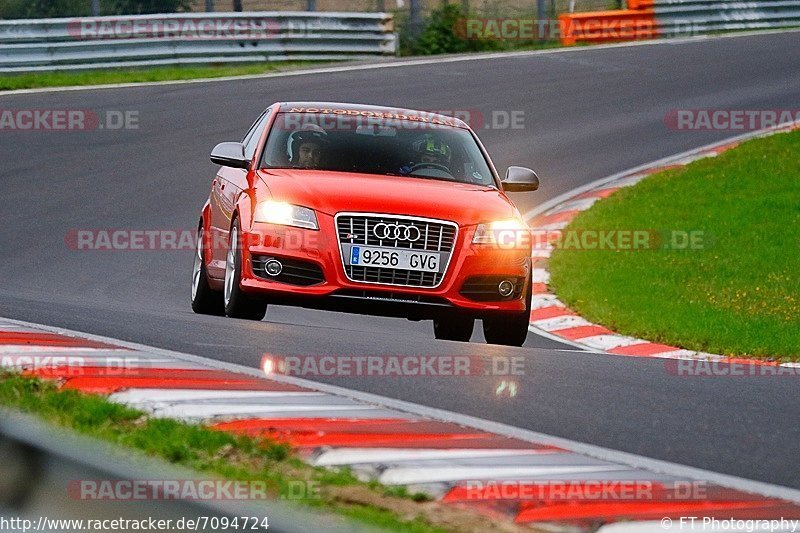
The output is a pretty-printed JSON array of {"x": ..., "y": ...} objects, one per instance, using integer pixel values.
[{"x": 426, "y": 148}]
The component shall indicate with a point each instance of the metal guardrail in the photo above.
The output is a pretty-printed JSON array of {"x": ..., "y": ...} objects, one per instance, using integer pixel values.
[
  {"x": 682, "y": 17},
  {"x": 649, "y": 19},
  {"x": 33, "y": 45}
]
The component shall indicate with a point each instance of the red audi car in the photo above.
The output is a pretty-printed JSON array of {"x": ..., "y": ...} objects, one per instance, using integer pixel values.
[{"x": 366, "y": 209}]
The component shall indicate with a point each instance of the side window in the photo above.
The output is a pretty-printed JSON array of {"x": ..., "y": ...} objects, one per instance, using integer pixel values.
[{"x": 250, "y": 140}]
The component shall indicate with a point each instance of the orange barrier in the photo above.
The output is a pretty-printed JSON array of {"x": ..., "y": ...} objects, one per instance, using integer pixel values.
[
  {"x": 609, "y": 26},
  {"x": 640, "y": 4}
]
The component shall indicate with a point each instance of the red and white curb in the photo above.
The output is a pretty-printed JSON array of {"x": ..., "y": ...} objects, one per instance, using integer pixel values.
[
  {"x": 497, "y": 470},
  {"x": 551, "y": 318}
]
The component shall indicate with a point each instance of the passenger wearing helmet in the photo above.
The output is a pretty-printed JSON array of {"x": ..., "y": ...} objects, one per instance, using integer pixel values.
[
  {"x": 430, "y": 153},
  {"x": 305, "y": 147}
]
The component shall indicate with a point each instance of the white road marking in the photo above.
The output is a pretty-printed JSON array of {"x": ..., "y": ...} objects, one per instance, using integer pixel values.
[
  {"x": 561, "y": 322},
  {"x": 411, "y": 476},
  {"x": 350, "y": 456},
  {"x": 545, "y": 300},
  {"x": 607, "y": 342},
  {"x": 541, "y": 275},
  {"x": 209, "y": 411},
  {"x": 139, "y": 396}
]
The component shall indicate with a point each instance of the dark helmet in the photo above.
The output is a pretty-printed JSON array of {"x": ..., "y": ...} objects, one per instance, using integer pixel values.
[
  {"x": 309, "y": 133},
  {"x": 430, "y": 146}
]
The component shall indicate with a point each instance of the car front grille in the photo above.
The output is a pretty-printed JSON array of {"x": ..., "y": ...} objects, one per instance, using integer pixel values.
[{"x": 426, "y": 235}]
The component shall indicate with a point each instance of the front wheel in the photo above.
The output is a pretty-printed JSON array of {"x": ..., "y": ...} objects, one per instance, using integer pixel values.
[
  {"x": 453, "y": 328},
  {"x": 509, "y": 330},
  {"x": 205, "y": 300},
  {"x": 237, "y": 303}
]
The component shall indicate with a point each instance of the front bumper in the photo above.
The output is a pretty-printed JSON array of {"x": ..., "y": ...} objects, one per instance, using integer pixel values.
[{"x": 320, "y": 250}]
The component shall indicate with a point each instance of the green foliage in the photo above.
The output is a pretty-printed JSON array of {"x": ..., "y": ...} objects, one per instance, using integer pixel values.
[
  {"x": 141, "y": 7},
  {"x": 22, "y": 9},
  {"x": 443, "y": 34}
]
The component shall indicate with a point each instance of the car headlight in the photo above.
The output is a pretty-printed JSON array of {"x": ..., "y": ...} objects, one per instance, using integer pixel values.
[
  {"x": 509, "y": 233},
  {"x": 286, "y": 214}
]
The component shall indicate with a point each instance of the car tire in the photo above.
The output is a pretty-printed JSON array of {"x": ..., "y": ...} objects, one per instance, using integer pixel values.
[
  {"x": 453, "y": 328},
  {"x": 205, "y": 300},
  {"x": 237, "y": 303},
  {"x": 509, "y": 330}
]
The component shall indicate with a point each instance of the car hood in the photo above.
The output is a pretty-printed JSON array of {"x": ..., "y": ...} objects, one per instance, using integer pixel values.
[{"x": 334, "y": 192}]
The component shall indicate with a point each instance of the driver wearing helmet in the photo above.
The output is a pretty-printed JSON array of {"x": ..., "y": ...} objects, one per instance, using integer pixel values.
[
  {"x": 305, "y": 146},
  {"x": 430, "y": 152}
]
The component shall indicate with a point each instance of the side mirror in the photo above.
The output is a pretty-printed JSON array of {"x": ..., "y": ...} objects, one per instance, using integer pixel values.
[
  {"x": 230, "y": 155},
  {"x": 520, "y": 179}
]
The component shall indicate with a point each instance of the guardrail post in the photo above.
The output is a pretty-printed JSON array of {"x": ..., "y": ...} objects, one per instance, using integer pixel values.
[
  {"x": 95, "y": 8},
  {"x": 312, "y": 5},
  {"x": 209, "y": 6},
  {"x": 541, "y": 15},
  {"x": 414, "y": 18}
]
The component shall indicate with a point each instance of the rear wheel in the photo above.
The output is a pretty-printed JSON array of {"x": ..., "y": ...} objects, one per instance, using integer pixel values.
[
  {"x": 453, "y": 328},
  {"x": 237, "y": 303},
  {"x": 205, "y": 300},
  {"x": 509, "y": 330}
]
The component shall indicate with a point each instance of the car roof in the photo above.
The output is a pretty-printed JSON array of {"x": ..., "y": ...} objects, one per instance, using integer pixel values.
[{"x": 340, "y": 108}]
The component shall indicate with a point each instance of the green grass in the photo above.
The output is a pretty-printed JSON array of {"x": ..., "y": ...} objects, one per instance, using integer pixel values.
[
  {"x": 139, "y": 75},
  {"x": 739, "y": 294},
  {"x": 219, "y": 454}
]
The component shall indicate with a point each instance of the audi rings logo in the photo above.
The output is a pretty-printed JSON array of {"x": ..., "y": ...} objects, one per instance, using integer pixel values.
[{"x": 396, "y": 232}]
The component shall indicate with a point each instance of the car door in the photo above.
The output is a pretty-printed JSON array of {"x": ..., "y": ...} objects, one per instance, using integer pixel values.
[{"x": 227, "y": 185}]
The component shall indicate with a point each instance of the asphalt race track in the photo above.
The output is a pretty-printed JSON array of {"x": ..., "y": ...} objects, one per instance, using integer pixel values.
[{"x": 587, "y": 114}]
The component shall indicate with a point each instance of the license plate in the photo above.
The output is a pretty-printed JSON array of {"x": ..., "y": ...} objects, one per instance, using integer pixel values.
[{"x": 394, "y": 258}]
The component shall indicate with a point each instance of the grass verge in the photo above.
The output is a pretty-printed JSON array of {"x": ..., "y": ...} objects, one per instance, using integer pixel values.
[
  {"x": 736, "y": 291},
  {"x": 10, "y": 82},
  {"x": 233, "y": 457}
]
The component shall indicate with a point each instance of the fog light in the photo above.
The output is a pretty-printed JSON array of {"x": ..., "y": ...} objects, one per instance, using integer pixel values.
[
  {"x": 273, "y": 267},
  {"x": 505, "y": 288}
]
